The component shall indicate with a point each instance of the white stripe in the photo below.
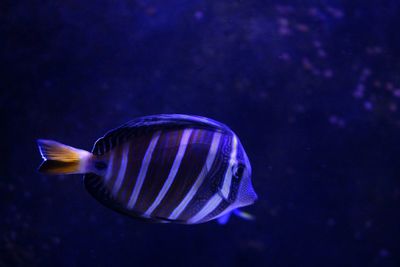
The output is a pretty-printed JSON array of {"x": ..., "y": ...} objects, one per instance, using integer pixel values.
[
  {"x": 110, "y": 166},
  {"x": 207, "y": 209},
  {"x": 174, "y": 170},
  {"x": 122, "y": 169},
  {"x": 228, "y": 175},
  {"x": 143, "y": 170},
  {"x": 199, "y": 181}
]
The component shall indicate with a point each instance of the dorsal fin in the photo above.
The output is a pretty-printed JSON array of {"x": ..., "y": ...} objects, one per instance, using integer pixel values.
[{"x": 150, "y": 124}]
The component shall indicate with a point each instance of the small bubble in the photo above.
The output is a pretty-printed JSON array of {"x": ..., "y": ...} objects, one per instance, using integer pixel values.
[
  {"x": 374, "y": 50},
  {"x": 104, "y": 86},
  {"x": 317, "y": 43},
  {"x": 302, "y": 27},
  {"x": 263, "y": 94},
  {"x": 13, "y": 235},
  {"x": 11, "y": 187},
  {"x": 368, "y": 105},
  {"x": 316, "y": 72},
  {"x": 368, "y": 224},
  {"x": 56, "y": 240},
  {"x": 273, "y": 212},
  {"x": 283, "y": 22},
  {"x": 392, "y": 107},
  {"x": 284, "y": 31},
  {"x": 396, "y": 92},
  {"x": 335, "y": 12},
  {"x": 299, "y": 108},
  {"x": 255, "y": 245},
  {"x": 358, "y": 235},
  {"x": 359, "y": 92},
  {"x": 328, "y": 73},
  {"x": 285, "y": 57},
  {"x": 284, "y": 9},
  {"x": 120, "y": 221},
  {"x": 307, "y": 64},
  {"x": 151, "y": 11},
  {"x": 92, "y": 218},
  {"x": 331, "y": 222},
  {"x": 384, "y": 253},
  {"x": 365, "y": 73},
  {"x": 316, "y": 12},
  {"x": 396, "y": 193},
  {"x": 321, "y": 53},
  {"x": 48, "y": 84},
  {"x": 335, "y": 120},
  {"x": 389, "y": 86},
  {"x": 198, "y": 15},
  {"x": 377, "y": 84}
]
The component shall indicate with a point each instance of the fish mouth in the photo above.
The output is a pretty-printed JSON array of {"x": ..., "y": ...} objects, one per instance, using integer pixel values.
[
  {"x": 254, "y": 196},
  {"x": 247, "y": 196}
]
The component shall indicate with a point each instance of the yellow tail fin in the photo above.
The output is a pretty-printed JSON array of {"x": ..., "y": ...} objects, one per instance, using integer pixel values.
[{"x": 62, "y": 159}]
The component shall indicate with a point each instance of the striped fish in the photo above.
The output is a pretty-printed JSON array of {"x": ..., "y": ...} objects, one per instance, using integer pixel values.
[{"x": 162, "y": 168}]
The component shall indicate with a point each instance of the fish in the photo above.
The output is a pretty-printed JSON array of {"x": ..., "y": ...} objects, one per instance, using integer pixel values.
[{"x": 166, "y": 168}]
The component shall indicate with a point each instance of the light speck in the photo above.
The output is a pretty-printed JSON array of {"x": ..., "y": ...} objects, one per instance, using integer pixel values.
[
  {"x": 368, "y": 105},
  {"x": 198, "y": 15},
  {"x": 328, "y": 73},
  {"x": 285, "y": 57},
  {"x": 384, "y": 253},
  {"x": 321, "y": 53},
  {"x": 359, "y": 92},
  {"x": 331, "y": 222},
  {"x": 335, "y": 12},
  {"x": 396, "y": 92}
]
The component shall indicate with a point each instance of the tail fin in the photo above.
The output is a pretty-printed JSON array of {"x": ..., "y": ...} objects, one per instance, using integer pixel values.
[{"x": 62, "y": 159}]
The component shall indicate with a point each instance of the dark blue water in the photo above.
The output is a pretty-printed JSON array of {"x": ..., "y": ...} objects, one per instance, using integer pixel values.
[{"x": 312, "y": 90}]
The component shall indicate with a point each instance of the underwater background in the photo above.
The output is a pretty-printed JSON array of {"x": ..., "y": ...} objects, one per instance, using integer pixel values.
[{"x": 312, "y": 88}]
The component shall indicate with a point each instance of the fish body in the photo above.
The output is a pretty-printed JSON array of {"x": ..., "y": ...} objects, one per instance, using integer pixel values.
[{"x": 163, "y": 168}]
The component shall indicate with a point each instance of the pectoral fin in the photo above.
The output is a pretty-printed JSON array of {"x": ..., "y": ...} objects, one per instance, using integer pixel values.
[{"x": 239, "y": 213}]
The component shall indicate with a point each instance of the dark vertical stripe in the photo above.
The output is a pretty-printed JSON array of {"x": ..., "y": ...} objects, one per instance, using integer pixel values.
[
  {"x": 159, "y": 168},
  {"x": 212, "y": 181},
  {"x": 191, "y": 165},
  {"x": 143, "y": 170},
  {"x": 138, "y": 146},
  {"x": 173, "y": 172}
]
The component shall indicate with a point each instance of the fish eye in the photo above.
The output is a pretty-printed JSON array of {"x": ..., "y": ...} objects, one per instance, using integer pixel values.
[
  {"x": 238, "y": 170},
  {"x": 100, "y": 165}
]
